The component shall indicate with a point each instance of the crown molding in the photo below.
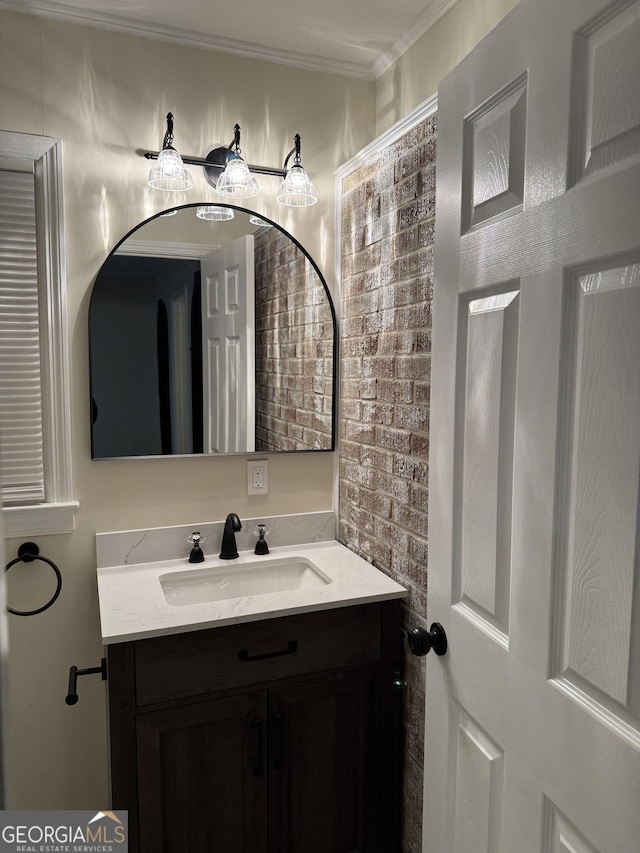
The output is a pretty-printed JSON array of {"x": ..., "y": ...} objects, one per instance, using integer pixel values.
[
  {"x": 154, "y": 249},
  {"x": 57, "y": 11},
  {"x": 431, "y": 15},
  {"x": 118, "y": 23}
]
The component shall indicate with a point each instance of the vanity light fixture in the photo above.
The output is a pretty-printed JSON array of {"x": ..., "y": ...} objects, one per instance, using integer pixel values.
[
  {"x": 254, "y": 219},
  {"x": 236, "y": 181},
  {"x": 213, "y": 213},
  {"x": 296, "y": 190},
  {"x": 169, "y": 173},
  {"x": 232, "y": 177}
]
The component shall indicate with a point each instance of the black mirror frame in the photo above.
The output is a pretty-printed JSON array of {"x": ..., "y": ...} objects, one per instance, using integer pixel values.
[{"x": 334, "y": 396}]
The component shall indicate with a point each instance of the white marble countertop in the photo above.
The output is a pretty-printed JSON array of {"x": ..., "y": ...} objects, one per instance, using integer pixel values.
[{"x": 133, "y": 605}]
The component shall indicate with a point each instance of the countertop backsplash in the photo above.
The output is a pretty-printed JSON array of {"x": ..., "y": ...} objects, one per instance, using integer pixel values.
[{"x": 130, "y": 547}]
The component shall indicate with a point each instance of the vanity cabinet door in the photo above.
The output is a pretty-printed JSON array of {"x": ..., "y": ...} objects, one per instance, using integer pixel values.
[
  {"x": 202, "y": 776},
  {"x": 325, "y": 756}
]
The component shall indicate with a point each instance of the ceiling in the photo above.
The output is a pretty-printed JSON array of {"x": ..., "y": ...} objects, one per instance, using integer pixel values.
[{"x": 356, "y": 38}]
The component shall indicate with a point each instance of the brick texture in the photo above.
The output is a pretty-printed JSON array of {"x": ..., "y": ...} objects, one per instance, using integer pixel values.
[
  {"x": 294, "y": 349},
  {"x": 387, "y": 275}
]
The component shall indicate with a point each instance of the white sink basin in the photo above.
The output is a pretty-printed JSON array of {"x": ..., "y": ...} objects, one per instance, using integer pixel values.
[{"x": 196, "y": 586}]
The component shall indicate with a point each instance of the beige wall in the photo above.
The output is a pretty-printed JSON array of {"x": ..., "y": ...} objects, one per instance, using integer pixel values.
[
  {"x": 106, "y": 94},
  {"x": 417, "y": 74}
]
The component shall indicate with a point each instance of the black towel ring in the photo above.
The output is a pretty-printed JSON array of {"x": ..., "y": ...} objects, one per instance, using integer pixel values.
[{"x": 27, "y": 553}]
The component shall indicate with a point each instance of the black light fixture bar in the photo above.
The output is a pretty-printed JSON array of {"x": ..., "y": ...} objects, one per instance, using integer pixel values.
[{"x": 217, "y": 159}]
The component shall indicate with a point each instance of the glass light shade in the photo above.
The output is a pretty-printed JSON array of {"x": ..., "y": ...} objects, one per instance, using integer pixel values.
[
  {"x": 237, "y": 181},
  {"x": 169, "y": 172},
  {"x": 296, "y": 190},
  {"x": 169, "y": 213},
  {"x": 254, "y": 219},
  {"x": 213, "y": 213}
]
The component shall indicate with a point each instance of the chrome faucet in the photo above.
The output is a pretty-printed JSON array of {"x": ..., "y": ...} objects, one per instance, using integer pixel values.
[{"x": 232, "y": 525}]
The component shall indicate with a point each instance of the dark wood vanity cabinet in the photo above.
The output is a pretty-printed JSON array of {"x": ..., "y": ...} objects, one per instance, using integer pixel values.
[{"x": 278, "y": 736}]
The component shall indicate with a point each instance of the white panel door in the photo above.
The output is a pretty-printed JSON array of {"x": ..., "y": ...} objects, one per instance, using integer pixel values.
[
  {"x": 228, "y": 347},
  {"x": 533, "y": 715}
]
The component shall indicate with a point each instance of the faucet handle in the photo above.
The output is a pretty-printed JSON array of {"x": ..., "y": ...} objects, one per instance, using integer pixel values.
[
  {"x": 261, "y": 544},
  {"x": 196, "y": 555}
]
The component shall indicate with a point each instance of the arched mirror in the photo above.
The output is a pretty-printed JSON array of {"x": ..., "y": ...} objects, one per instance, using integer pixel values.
[{"x": 210, "y": 331}]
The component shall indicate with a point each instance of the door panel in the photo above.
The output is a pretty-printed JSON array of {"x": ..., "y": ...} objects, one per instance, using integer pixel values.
[
  {"x": 607, "y": 82},
  {"x": 325, "y": 763},
  {"x": 562, "y": 836},
  {"x": 485, "y": 422},
  {"x": 479, "y": 784},
  {"x": 202, "y": 777},
  {"x": 533, "y": 716},
  {"x": 600, "y": 492},
  {"x": 493, "y": 156}
]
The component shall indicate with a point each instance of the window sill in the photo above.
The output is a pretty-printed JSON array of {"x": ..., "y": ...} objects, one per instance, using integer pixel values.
[{"x": 39, "y": 519}]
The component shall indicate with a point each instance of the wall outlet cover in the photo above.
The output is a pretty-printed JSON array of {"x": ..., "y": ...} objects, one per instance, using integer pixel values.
[{"x": 257, "y": 477}]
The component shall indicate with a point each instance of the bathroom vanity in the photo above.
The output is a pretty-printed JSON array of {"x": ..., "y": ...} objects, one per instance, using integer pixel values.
[{"x": 265, "y": 722}]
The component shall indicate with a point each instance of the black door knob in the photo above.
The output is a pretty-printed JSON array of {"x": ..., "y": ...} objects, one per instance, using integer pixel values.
[{"x": 422, "y": 641}]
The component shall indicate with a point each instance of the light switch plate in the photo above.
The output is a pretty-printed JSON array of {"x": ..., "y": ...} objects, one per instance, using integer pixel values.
[{"x": 257, "y": 477}]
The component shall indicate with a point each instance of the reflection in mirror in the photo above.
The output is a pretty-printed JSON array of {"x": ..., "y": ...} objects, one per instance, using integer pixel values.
[{"x": 210, "y": 335}]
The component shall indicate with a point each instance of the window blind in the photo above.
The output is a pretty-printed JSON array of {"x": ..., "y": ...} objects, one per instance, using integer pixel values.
[{"x": 21, "y": 444}]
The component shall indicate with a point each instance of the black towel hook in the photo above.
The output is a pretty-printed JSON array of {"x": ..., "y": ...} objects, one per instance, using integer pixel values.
[{"x": 27, "y": 553}]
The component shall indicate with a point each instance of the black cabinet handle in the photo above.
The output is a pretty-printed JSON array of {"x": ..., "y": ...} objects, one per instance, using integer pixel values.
[
  {"x": 278, "y": 737},
  {"x": 258, "y": 759},
  {"x": 292, "y": 646},
  {"x": 75, "y": 673}
]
